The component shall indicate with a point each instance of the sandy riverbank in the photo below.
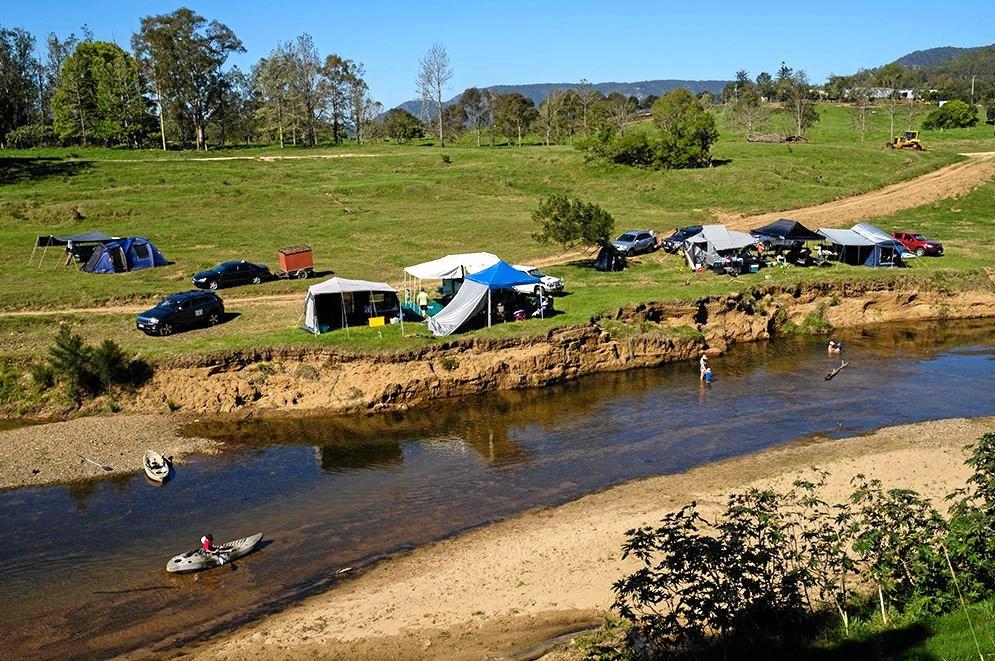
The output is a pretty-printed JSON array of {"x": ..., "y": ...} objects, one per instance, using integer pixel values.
[
  {"x": 505, "y": 587},
  {"x": 43, "y": 454}
]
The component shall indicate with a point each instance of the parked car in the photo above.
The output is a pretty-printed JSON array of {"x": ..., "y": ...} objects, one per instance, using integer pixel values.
[
  {"x": 184, "y": 310},
  {"x": 549, "y": 284},
  {"x": 231, "y": 274},
  {"x": 633, "y": 243},
  {"x": 919, "y": 244},
  {"x": 674, "y": 242}
]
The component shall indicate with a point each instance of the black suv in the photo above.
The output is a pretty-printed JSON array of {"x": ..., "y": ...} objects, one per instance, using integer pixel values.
[
  {"x": 231, "y": 274},
  {"x": 191, "y": 308},
  {"x": 674, "y": 242}
]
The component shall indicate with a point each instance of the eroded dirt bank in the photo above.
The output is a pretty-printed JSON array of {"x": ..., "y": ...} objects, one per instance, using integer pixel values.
[
  {"x": 506, "y": 586},
  {"x": 646, "y": 335}
]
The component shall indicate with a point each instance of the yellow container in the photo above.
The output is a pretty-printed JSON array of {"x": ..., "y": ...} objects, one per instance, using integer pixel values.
[{"x": 377, "y": 321}]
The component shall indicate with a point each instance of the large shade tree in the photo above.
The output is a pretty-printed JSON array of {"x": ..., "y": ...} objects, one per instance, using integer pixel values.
[
  {"x": 99, "y": 97},
  {"x": 183, "y": 55}
]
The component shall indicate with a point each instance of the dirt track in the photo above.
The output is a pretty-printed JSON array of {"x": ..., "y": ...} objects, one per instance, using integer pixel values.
[{"x": 947, "y": 182}]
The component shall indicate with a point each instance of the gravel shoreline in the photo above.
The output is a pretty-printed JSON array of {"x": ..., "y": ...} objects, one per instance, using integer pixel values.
[{"x": 46, "y": 454}]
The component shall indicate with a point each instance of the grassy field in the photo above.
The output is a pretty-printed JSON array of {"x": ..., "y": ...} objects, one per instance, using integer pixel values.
[{"x": 369, "y": 211}]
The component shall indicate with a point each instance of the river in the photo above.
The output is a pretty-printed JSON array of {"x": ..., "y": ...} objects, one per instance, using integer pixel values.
[{"x": 82, "y": 566}]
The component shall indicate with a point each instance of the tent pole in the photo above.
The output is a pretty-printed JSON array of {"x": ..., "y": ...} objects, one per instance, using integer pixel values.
[
  {"x": 31, "y": 258},
  {"x": 488, "y": 307}
]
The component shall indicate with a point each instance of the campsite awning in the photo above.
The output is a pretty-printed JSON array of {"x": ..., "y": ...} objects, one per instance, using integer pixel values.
[
  {"x": 721, "y": 238},
  {"x": 338, "y": 285},
  {"x": 786, "y": 230},
  {"x": 872, "y": 233},
  {"x": 452, "y": 266},
  {"x": 502, "y": 276},
  {"x": 95, "y": 236},
  {"x": 845, "y": 237}
]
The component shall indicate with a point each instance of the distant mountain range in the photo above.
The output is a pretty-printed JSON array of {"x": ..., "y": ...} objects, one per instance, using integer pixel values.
[
  {"x": 539, "y": 91},
  {"x": 930, "y": 57}
]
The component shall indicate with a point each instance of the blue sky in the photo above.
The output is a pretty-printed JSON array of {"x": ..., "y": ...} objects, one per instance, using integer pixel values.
[{"x": 513, "y": 41}]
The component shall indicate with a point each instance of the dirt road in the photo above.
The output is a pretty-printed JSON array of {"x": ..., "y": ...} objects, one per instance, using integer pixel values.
[{"x": 947, "y": 182}]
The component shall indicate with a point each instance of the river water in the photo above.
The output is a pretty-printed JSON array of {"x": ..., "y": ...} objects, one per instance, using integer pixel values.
[{"x": 81, "y": 567}]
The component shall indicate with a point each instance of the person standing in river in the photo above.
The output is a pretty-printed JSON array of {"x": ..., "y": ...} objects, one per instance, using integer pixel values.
[{"x": 703, "y": 367}]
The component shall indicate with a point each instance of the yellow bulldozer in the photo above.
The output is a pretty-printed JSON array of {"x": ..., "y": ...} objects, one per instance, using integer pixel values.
[{"x": 908, "y": 140}]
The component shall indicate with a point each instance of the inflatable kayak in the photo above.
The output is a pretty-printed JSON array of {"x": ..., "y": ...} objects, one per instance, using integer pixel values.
[
  {"x": 200, "y": 559},
  {"x": 156, "y": 466}
]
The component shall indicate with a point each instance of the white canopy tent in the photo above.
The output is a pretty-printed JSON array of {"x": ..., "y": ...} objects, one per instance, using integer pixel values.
[
  {"x": 452, "y": 266},
  {"x": 340, "y": 287}
]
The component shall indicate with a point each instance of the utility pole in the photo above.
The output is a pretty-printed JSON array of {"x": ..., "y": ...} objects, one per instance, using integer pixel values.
[{"x": 972, "y": 89}]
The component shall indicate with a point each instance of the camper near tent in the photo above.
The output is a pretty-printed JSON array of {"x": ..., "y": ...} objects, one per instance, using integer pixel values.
[
  {"x": 341, "y": 303},
  {"x": 866, "y": 245},
  {"x": 121, "y": 255}
]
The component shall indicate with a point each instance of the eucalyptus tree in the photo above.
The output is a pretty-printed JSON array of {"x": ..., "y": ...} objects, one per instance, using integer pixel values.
[
  {"x": 271, "y": 79},
  {"x": 434, "y": 74},
  {"x": 99, "y": 97},
  {"x": 18, "y": 79},
  {"x": 337, "y": 72},
  {"x": 182, "y": 54},
  {"x": 307, "y": 83},
  {"x": 474, "y": 105}
]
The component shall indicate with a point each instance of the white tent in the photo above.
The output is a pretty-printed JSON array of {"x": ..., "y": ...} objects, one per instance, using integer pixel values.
[
  {"x": 337, "y": 287},
  {"x": 468, "y": 301},
  {"x": 845, "y": 237},
  {"x": 705, "y": 246},
  {"x": 452, "y": 266}
]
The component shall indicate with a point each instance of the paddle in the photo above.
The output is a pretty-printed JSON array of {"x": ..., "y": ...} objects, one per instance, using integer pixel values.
[
  {"x": 837, "y": 370},
  {"x": 101, "y": 466}
]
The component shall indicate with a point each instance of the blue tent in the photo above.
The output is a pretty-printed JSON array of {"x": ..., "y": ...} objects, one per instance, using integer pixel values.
[
  {"x": 502, "y": 276},
  {"x": 130, "y": 254}
]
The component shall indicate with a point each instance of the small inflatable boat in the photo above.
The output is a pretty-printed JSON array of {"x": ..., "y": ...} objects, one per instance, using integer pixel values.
[{"x": 156, "y": 466}]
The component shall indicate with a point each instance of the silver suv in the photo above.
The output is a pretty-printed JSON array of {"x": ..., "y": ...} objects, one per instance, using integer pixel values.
[{"x": 633, "y": 243}]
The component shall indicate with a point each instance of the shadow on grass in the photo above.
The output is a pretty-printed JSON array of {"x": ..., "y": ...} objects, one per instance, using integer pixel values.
[{"x": 15, "y": 170}]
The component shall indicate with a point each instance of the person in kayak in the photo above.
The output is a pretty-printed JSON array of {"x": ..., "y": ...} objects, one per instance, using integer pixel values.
[{"x": 207, "y": 544}]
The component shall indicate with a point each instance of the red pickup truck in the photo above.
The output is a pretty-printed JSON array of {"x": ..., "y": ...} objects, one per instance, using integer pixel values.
[{"x": 919, "y": 244}]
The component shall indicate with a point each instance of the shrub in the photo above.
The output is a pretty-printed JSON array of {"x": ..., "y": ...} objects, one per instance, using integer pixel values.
[
  {"x": 305, "y": 371},
  {"x": 84, "y": 371},
  {"x": 10, "y": 384},
  {"x": 32, "y": 135},
  {"x": 952, "y": 115},
  {"x": 687, "y": 130}
]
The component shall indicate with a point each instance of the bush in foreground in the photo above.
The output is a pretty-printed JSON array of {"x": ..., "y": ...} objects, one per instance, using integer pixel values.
[
  {"x": 759, "y": 575},
  {"x": 85, "y": 371}
]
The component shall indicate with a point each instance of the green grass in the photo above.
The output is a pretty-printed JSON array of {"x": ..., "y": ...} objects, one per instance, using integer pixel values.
[
  {"x": 371, "y": 210},
  {"x": 946, "y": 637}
]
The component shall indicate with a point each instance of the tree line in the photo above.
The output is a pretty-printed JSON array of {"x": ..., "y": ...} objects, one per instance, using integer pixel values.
[{"x": 174, "y": 88}]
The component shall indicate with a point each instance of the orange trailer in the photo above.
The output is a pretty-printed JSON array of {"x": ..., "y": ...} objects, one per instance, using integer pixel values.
[{"x": 296, "y": 262}]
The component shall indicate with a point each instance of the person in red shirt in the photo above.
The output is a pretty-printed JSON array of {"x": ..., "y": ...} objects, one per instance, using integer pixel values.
[{"x": 207, "y": 543}]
